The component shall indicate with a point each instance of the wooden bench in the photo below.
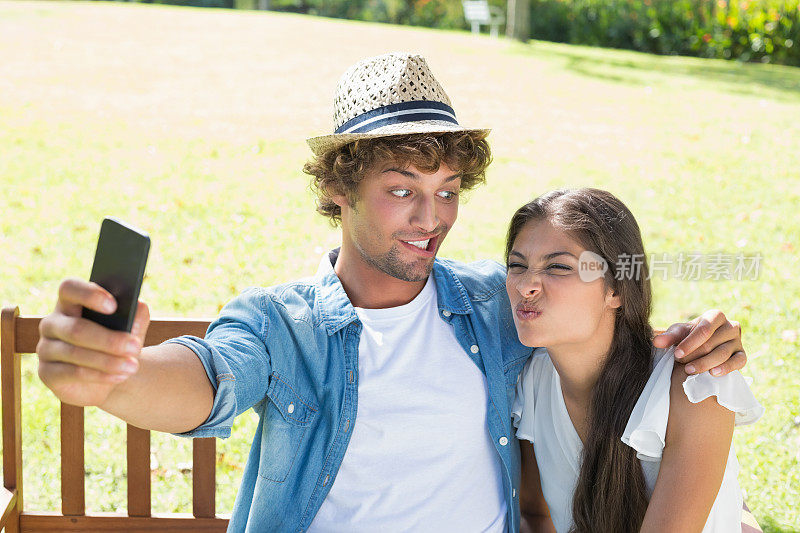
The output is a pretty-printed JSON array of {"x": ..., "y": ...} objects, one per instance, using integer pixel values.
[
  {"x": 479, "y": 12},
  {"x": 19, "y": 335}
]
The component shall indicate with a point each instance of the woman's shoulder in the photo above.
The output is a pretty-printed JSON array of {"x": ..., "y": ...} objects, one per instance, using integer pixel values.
[
  {"x": 699, "y": 397},
  {"x": 685, "y": 414},
  {"x": 730, "y": 392},
  {"x": 671, "y": 396}
]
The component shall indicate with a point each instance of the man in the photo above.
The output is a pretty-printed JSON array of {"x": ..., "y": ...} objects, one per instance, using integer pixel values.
[{"x": 383, "y": 391}]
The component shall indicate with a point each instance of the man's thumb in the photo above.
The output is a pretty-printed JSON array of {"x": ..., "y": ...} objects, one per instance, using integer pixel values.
[
  {"x": 672, "y": 335},
  {"x": 141, "y": 322}
]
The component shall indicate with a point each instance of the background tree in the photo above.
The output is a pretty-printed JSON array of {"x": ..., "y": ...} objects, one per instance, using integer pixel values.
[{"x": 518, "y": 20}]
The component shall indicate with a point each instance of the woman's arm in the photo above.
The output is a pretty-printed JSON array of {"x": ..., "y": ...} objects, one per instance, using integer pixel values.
[
  {"x": 535, "y": 514},
  {"x": 698, "y": 440}
]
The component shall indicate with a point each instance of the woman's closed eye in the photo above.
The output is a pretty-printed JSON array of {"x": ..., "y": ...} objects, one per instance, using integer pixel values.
[{"x": 556, "y": 268}]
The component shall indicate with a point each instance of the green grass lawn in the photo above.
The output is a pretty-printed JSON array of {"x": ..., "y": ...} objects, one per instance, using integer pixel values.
[{"x": 191, "y": 123}]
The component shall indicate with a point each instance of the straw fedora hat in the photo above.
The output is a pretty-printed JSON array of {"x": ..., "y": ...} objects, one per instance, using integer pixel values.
[{"x": 391, "y": 94}]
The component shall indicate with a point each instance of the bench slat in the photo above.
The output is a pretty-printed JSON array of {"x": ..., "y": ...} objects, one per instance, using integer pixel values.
[
  {"x": 27, "y": 331},
  {"x": 116, "y": 522},
  {"x": 73, "y": 500},
  {"x": 204, "y": 462},
  {"x": 27, "y": 334},
  {"x": 138, "y": 471},
  {"x": 12, "y": 417},
  {"x": 168, "y": 328}
]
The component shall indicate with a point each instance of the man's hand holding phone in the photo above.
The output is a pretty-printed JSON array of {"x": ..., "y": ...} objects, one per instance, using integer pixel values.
[
  {"x": 91, "y": 343},
  {"x": 80, "y": 360}
]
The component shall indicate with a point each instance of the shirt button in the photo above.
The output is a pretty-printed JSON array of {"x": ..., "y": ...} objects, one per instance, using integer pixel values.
[
  {"x": 290, "y": 409},
  {"x": 327, "y": 478},
  {"x": 473, "y": 348},
  {"x": 446, "y": 313},
  {"x": 513, "y": 493},
  {"x": 350, "y": 376},
  {"x": 347, "y": 425},
  {"x": 503, "y": 441}
]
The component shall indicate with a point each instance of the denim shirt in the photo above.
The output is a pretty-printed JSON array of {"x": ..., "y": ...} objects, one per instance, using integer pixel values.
[{"x": 291, "y": 353}]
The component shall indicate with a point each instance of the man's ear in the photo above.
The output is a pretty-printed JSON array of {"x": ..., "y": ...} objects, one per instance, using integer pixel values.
[
  {"x": 340, "y": 200},
  {"x": 335, "y": 194}
]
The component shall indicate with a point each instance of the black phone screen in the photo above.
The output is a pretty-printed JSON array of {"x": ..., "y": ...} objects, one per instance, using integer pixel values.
[{"x": 119, "y": 268}]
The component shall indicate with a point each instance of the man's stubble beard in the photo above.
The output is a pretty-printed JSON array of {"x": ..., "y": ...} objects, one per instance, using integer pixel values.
[{"x": 391, "y": 265}]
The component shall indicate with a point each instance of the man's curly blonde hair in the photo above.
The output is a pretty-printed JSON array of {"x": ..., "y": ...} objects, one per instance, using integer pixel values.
[{"x": 339, "y": 171}]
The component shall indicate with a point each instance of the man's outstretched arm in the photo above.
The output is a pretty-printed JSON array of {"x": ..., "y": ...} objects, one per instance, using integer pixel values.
[
  {"x": 163, "y": 388},
  {"x": 709, "y": 342},
  {"x": 170, "y": 392}
]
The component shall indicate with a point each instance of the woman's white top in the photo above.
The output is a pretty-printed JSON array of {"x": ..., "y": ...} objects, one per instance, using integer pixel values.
[{"x": 541, "y": 416}]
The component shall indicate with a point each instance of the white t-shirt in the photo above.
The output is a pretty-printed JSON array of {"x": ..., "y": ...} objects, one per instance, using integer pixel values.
[
  {"x": 541, "y": 417},
  {"x": 420, "y": 457}
]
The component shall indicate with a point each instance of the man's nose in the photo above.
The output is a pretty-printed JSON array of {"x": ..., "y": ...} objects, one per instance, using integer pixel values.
[{"x": 425, "y": 216}]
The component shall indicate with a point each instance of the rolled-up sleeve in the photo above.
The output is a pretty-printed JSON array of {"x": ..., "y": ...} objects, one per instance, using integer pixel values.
[{"x": 236, "y": 361}]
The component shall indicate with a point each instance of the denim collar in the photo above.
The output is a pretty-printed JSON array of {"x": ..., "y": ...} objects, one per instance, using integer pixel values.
[
  {"x": 450, "y": 291},
  {"x": 335, "y": 308}
]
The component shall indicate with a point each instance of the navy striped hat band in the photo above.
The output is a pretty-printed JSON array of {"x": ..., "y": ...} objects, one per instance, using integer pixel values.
[{"x": 397, "y": 114}]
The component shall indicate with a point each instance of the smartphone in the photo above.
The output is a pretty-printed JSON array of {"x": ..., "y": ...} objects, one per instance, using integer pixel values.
[{"x": 119, "y": 268}]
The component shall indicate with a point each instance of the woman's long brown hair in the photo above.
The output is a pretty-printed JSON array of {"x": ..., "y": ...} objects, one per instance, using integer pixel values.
[{"x": 611, "y": 495}]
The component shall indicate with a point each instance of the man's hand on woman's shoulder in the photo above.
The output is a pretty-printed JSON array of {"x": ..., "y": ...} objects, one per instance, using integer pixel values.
[{"x": 709, "y": 342}]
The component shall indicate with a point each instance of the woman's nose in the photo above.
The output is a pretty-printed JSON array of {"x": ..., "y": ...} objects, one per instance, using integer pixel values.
[{"x": 529, "y": 284}]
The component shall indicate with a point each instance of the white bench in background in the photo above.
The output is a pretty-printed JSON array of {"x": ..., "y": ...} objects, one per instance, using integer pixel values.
[{"x": 479, "y": 12}]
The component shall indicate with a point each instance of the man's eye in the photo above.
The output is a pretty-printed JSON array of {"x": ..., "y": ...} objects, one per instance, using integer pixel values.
[
  {"x": 401, "y": 193},
  {"x": 558, "y": 267},
  {"x": 517, "y": 266},
  {"x": 448, "y": 195}
]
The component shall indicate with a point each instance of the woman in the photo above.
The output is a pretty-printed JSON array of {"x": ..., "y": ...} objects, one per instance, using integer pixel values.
[{"x": 612, "y": 438}]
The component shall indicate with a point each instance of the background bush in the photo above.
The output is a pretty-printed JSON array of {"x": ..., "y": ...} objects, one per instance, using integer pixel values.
[{"x": 758, "y": 30}]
